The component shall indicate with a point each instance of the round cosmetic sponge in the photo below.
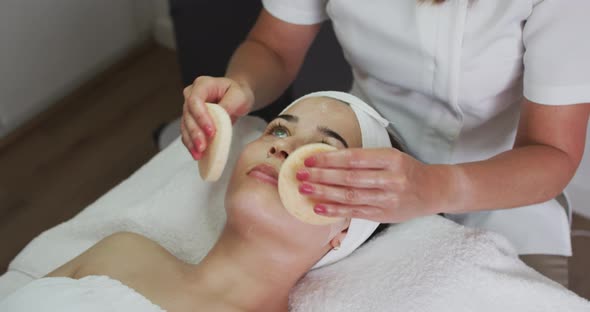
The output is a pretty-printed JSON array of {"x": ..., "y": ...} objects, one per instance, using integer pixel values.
[
  {"x": 214, "y": 158},
  {"x": 298, "y": 205}
]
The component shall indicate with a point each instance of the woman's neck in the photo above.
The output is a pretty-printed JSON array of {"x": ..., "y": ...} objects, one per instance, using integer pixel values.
[{"x": 248, "y": 276}]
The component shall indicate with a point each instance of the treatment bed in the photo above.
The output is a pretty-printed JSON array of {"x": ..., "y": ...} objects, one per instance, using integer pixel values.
[{"x": 427, "y": 264}]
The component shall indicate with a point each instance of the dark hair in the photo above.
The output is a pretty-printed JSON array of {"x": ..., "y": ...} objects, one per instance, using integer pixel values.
[
  {"x": 395, "y": 142},
  {"x": 379, "y": 229}
]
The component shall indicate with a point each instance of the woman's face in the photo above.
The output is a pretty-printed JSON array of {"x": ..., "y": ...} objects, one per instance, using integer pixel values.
[{"x": 252, "y": 202}]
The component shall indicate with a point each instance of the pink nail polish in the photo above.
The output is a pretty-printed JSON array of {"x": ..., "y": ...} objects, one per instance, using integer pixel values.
[
  {"x": 209, "y": 131},
  {"x": 310, "y": 161},
  {"x": 196, "y": 155},
  {"x": 306, "y": 188},
  {"x": 302, "y": 175},
  {"x": 319, "y": 209},
  {"x": 199, "y": 146}
]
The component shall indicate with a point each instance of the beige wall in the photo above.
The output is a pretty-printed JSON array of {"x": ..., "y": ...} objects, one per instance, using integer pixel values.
[
  {"x": 163, "y": 27},
  {"x": 48, "y": 48}
]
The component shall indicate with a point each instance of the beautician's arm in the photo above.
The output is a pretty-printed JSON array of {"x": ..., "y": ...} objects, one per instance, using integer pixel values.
[
  {"x": 269, "y": 59},
  {"x": 387, "y": 185},
  {"x": 548, "y": 149},
  {"x": 261, "y": 68}
]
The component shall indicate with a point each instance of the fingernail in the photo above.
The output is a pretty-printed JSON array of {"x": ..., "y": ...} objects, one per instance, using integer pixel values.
[
  {"x": 208, "y": 131},
  {"x": 302, "y": 175},
  {"x": 310, "y": 161},
  {"x": 306, "y": 188},
  {"x": 196, "y": 155},
  {"x": 199, "y": 146},
  {"x": 320, "y": 209}
]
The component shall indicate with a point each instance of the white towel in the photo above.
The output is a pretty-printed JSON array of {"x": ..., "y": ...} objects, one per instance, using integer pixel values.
[
  {"x": 433, "y": 264},
  {"x": 429, "y": 264},
  {"x": 88, "y": 294}
]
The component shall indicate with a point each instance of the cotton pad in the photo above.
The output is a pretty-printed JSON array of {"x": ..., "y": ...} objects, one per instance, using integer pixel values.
[
  {"x": 215, "y": 156},
  {"x": 298, "y": 205}
]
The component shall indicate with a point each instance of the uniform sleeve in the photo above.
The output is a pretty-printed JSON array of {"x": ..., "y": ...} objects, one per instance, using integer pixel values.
[
  {"x": 557, "y": 52},
  {"x": 304, "y": 12}
]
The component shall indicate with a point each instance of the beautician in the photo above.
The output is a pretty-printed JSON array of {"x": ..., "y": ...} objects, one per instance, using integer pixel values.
[{"x": 491, "y": 99}]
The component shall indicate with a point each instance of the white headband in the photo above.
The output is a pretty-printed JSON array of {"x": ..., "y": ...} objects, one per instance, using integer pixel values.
[{"x": 374, "y": 134}]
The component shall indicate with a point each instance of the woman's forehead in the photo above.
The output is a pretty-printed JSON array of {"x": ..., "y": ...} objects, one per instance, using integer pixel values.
[
  {"x": 328, "y": 112},
  {"x": 321, "y": 105}
]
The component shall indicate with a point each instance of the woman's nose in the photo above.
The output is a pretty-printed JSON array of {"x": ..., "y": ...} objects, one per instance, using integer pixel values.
[{"x": 279, "y": 152}]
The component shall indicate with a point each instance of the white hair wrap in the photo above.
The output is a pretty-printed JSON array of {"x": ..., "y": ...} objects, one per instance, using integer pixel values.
[{"x": 374, "y": 135}]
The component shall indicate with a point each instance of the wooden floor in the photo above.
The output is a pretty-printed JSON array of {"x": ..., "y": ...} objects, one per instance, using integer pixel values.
[
  {"x": 83, "y": 147},
  {"x": 62, "y": 161}
]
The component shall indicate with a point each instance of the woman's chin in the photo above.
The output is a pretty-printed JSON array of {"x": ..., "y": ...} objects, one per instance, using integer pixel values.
[
  {"x": 259, "y": 187},
  {"x": 258, "y": 199},
  {"x": 255, "y": 214}
]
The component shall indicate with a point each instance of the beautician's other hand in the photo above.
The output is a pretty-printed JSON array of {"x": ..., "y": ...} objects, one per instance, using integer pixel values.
[
  {"x": 196, "y": 125},
  {"x": 381, "y": 184}
]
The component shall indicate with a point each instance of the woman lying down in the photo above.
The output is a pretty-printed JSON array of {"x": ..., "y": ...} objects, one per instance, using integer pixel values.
[{"x": 261, "y": 253}]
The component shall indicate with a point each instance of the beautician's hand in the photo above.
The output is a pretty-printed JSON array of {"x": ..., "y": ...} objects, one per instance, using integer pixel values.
[
  {"x": 381, "y": 184},
  {"x": 197, "y": 126}
]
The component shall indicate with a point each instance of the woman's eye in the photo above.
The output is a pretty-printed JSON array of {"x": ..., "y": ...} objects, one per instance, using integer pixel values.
[
  {"x": 279, "y": 131},
  {"x": 328, "y": 143}
]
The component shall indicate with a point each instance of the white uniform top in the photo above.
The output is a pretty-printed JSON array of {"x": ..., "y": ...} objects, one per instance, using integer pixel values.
[{"x": 451, "y": 78}]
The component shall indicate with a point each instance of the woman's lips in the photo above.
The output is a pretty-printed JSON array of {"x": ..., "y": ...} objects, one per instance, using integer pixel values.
[{"x": 265, "y": 173}]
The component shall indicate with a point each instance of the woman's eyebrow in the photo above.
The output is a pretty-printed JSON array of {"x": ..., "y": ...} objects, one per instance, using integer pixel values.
[
  {"x": 288, "y": 117},
  {"x": 324, "y": 130}
]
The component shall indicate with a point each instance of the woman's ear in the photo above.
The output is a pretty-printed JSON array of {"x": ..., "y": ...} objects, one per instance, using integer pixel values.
[{"x": 337, "y": 240}]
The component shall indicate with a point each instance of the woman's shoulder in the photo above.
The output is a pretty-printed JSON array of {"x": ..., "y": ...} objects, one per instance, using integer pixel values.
[
  {"x": 121, "y": 239},
  {"x": 121, "y": 253},
  {"x": 124, "y": 244}
]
